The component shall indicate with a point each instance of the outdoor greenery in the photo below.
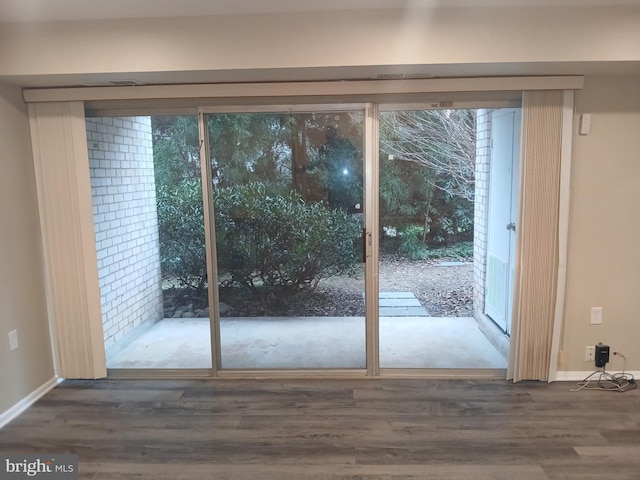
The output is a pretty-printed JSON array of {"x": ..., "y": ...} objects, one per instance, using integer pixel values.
[
  {"x": 181, "y": 234},
  {"x": 272, "y": 239},
  {"x": 427, "y": 172},
  {"x": 179, "y": 201},
  {"x": 412, "y": 247},
  {"x": 411, "y": 244},
  {"x": 278, "y": 245},
  {"x": 288, "y": 194}
]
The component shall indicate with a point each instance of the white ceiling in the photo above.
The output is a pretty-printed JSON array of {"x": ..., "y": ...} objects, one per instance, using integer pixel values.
[{"x": 71, "y": 10}]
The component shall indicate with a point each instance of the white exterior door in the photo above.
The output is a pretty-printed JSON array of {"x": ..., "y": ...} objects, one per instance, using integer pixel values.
[{"x": 503, "y": 213}]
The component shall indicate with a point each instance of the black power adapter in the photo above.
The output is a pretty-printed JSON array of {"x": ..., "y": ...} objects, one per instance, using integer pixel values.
[{"x": 602, "y": 355}]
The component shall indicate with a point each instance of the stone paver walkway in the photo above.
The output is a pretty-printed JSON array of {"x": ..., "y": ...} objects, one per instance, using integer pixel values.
[{"x": 401, "y": 304}]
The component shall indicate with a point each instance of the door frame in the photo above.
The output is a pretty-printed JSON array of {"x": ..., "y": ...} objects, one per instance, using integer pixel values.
[
  {"x": 371, "y": 205},
  {"x": 370, "y": 179}
]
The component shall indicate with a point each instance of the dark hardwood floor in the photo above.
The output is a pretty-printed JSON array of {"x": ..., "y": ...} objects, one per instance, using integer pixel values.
[{"x": 334, "y": 429}]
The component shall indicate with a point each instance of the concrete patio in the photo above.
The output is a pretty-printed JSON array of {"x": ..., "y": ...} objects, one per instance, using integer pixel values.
[{"x": 308, "y": 342}]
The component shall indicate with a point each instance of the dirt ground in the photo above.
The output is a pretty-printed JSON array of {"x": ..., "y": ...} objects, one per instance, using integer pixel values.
[{"x": 444, "y": 288}]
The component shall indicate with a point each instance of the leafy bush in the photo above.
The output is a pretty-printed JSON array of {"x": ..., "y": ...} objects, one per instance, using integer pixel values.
[
  {"x": 451, "y": 220},
  {"x": 411, "y": 244},
  {"x": 278, "y": 245},
  {"x": 181, "y": 233},
  {"x": 458, "y": 251},
  {"x": 413, "y": 248}
]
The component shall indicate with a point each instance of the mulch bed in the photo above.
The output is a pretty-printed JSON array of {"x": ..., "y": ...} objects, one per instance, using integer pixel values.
[{"x": 444, "y": 288}]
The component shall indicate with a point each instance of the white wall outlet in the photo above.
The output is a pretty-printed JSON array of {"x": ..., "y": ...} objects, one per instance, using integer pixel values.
[
  {"x": 596, "y": 315},
  {"x": 13, "y": 340},
  {"x": 590, "y": 353}
]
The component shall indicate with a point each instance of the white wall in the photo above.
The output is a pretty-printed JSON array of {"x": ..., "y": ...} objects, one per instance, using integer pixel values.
[
  {"x": 604, "y": 238},
  {"x": 498, "y": 37},
  {"x": 22, "y": 295}
]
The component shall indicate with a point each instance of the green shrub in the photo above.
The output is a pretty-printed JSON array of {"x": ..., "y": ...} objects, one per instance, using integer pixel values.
[
  {"x": 457, "y": 251},
  {"x": 411, "y": 244},
  {"x": 181, "y": 234},
  {"x": 413, "y": 248},
  {"x": 271, "y": 243},
  {"x": 278, "y": 245}
]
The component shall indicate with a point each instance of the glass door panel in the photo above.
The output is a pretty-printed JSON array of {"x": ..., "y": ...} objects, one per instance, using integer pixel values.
[
  {"x": 288, "y": 208},
  {"x": 426, "y": 218}
]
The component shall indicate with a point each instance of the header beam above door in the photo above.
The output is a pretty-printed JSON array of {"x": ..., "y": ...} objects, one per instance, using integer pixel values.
[{"x": 205, "y": 93}]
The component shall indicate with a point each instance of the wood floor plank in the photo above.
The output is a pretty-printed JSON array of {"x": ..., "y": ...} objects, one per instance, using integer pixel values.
[
  {"x": 120, "y": 471},
  {"x": 621, "y": 436},
  {"x": 619, "y": 452},
  {"x": 592, "y": 471},
  {"x": 114, "y": 396}
]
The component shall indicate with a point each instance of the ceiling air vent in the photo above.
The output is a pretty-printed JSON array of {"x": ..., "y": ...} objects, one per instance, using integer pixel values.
[{"x": 389, "y": 76}]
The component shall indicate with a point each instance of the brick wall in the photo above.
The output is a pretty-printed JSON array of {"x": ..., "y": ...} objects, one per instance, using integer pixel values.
[
  {"x": 481, "y": 208},
  {"x": 126, "y": 226}
]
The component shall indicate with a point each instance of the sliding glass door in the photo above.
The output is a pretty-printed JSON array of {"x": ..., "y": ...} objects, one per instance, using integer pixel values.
[
  {"x": 290, "y": 238},
  {"x": 287, "y": 193}
]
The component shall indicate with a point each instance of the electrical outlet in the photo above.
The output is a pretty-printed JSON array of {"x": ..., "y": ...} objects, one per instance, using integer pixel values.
[
  {"x": 13, "y": 340},
  {"x": 596, "y": 315},
  {"x": 590, "y": 353}
]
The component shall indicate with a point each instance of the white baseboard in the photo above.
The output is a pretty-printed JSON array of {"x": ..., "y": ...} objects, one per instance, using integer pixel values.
[
  {"x": 576, "y": 376},
  {"x": 26, "y": 402}
]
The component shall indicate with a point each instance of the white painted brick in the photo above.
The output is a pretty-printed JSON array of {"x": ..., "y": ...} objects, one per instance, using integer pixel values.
[
  {"x": 483, "y": 157},
  {"x": 126, "y": 222}
]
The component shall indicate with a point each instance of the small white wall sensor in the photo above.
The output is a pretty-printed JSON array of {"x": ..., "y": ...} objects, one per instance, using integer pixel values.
[{"x": 585, "y": 124}]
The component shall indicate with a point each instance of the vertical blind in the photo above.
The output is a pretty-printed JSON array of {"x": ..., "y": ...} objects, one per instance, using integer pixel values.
[
  {"x": 64, "y": 199},
  {"x": 535, "y": 289}
]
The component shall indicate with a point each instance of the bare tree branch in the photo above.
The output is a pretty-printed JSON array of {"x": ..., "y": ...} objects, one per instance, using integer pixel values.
[{"x": 443, "y": 140}]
